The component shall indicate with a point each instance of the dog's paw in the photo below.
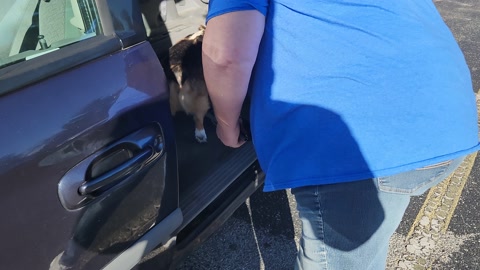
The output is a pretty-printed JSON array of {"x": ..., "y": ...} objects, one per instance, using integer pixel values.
[{"x": 200, "y": 135}]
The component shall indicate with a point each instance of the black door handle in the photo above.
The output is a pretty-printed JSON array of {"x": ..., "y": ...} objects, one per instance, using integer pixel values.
[
  {"x": 111, "y": 166},
  {"x": 116, "y": 174}
]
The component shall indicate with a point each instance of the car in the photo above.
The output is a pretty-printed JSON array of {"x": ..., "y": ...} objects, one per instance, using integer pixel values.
[{"x": 95, "y": 171}]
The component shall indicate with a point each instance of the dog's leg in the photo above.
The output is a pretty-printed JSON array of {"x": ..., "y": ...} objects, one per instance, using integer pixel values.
[
  {"x": 201, "y": 110},
  {"x": 200, "y": 133}
]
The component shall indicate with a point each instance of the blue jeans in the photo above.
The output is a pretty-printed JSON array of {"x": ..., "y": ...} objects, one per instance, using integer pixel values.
[{"x": 349, "y": 225}]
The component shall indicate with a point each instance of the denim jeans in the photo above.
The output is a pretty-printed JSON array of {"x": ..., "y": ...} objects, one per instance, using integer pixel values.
[{"x": 349, "y": 225}]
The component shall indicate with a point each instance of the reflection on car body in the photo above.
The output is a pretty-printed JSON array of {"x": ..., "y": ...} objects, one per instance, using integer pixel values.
[{"x": 96, "y": 173}]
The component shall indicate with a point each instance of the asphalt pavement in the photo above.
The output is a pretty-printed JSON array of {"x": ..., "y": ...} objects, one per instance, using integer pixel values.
[{"x": 440, "y": 230}]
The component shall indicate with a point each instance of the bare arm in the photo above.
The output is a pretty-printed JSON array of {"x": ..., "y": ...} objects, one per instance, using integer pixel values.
[{"x": 230, "y": 48}]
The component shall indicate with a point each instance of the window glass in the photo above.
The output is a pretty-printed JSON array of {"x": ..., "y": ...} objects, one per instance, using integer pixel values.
[{"x": 31, "y": 28}]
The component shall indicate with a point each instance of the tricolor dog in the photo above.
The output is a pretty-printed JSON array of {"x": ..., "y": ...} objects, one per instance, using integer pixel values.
[{"x": 188, "y": 92}]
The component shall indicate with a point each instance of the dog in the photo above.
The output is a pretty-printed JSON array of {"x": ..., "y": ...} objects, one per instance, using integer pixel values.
[{"x": 188, "y": 91}]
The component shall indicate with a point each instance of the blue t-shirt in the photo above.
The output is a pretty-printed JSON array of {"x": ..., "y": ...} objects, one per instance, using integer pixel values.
[{"x": 350, "y": 90}]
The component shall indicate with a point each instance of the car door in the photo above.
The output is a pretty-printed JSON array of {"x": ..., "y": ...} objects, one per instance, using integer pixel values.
[{"x": 87, "y": 155}]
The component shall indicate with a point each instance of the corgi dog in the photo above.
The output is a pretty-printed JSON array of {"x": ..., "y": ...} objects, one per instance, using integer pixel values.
[{"x": 188, "y": 91}]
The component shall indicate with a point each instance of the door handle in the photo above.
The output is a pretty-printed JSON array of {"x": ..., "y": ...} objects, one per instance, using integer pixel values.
[
  {"x": 115, "y": 175},
  {"x": 111, "y": 167}
]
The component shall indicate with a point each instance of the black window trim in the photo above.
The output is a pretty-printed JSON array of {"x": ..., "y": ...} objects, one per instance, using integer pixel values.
[
  {"x": 110, "y": 40},
  {"x": 24, "y": 73},
  {"x": 27, "y": 72}
]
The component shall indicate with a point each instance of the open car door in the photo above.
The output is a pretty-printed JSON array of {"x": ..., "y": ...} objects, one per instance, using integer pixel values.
[{"x": 87, "y": 158}]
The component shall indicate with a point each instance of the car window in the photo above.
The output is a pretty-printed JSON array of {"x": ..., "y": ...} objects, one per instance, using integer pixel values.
[{"x": 31, "y": 28}]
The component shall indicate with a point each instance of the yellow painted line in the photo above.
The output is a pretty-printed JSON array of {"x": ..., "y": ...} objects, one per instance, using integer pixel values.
[
  {"x": 468, "y": 162},
  {"x": 434, "y": 217},
  {"x": 440, "y": 191}
]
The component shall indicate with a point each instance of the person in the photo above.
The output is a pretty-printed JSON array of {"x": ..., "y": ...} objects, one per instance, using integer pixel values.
[{"x": 355, "y": 106}]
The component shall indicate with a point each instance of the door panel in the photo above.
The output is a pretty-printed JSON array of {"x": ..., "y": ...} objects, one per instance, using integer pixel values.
[{"x": 50, "y": 127}]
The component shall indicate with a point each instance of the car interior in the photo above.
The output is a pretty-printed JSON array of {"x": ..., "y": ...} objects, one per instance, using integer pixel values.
[
  {"x": 202, "y": 167},
  {"x": 32, "y": 28}
]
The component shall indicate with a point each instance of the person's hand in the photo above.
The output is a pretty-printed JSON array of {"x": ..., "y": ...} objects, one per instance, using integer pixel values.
[{"x": 230, "y": 135}]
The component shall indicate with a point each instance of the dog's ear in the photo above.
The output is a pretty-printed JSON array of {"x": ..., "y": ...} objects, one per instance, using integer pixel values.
[
  {"x": 202, "y": 29},
  {"x": 197, "y": 37}
]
